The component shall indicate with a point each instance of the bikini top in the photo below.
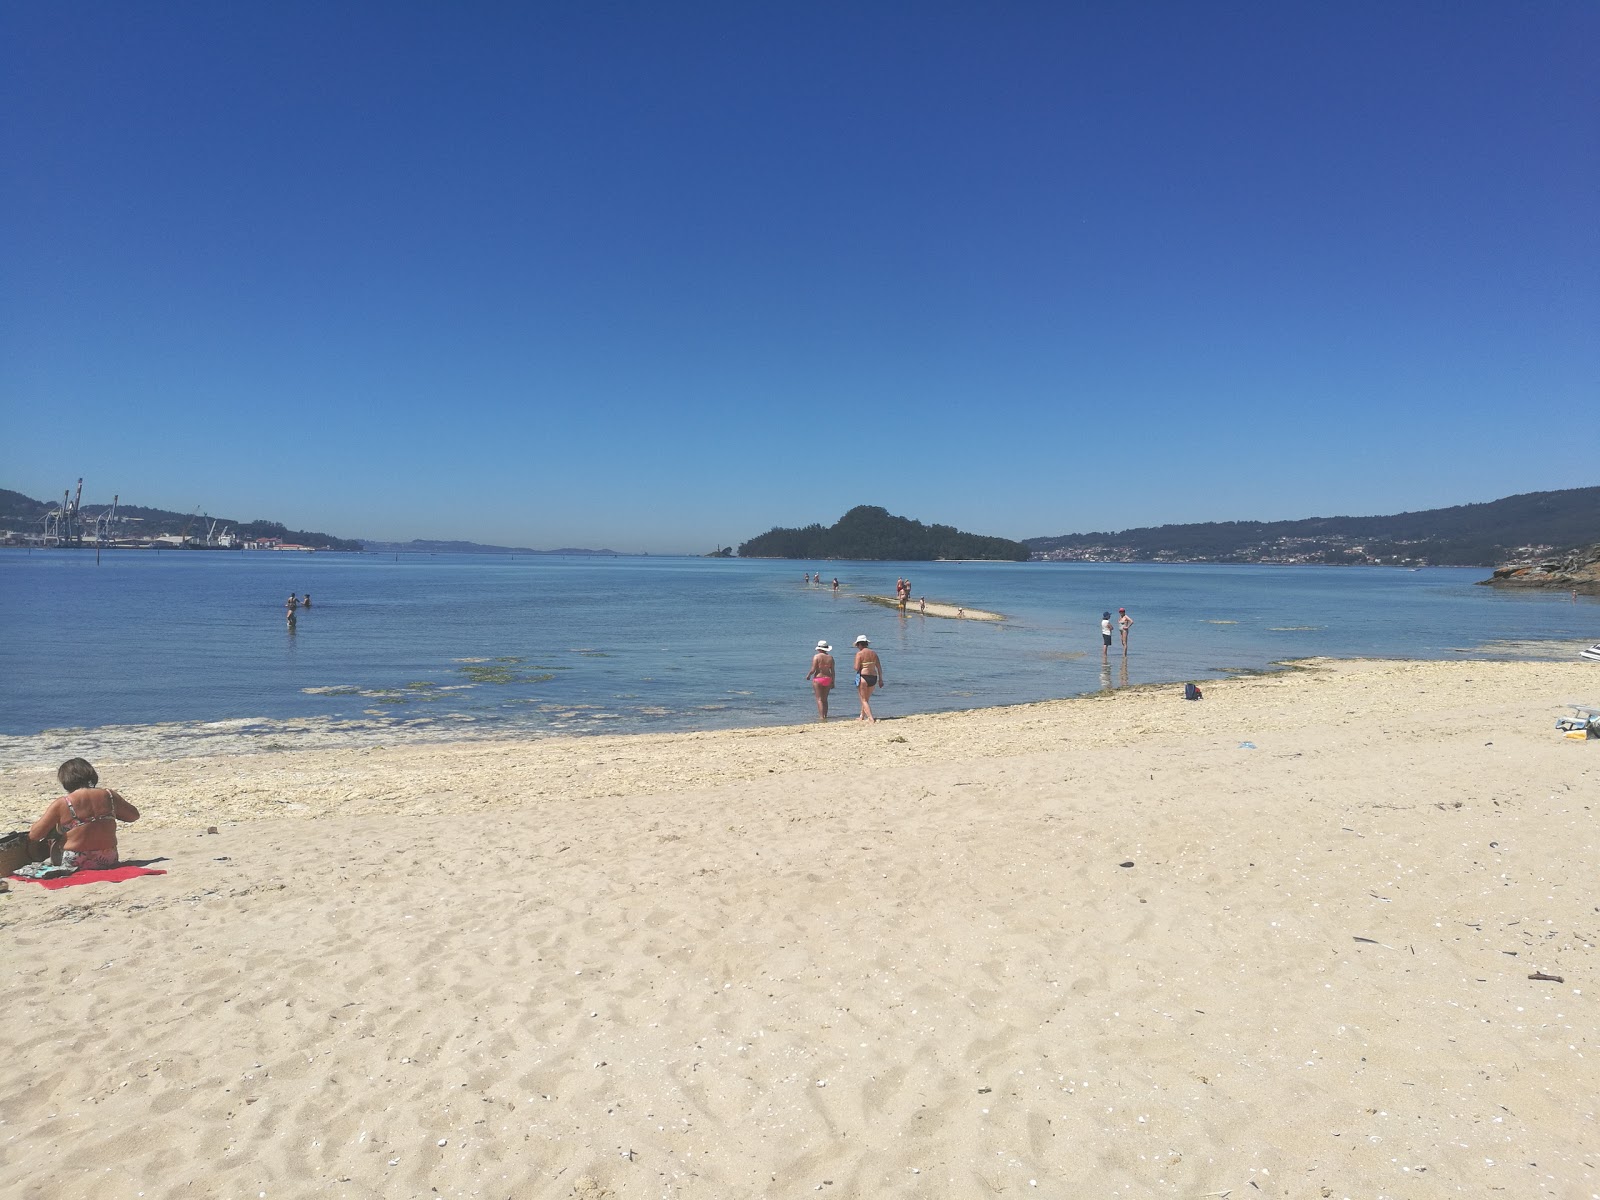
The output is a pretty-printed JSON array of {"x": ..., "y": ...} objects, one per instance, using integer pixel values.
[{"x": 78, "y": 822}]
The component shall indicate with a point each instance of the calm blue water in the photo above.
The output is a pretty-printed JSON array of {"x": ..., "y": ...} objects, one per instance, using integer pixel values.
[{"x": 627, "y": 644}]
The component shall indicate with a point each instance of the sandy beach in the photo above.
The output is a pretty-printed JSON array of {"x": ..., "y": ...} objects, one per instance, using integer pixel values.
[{"x": 1274, "y": 943}]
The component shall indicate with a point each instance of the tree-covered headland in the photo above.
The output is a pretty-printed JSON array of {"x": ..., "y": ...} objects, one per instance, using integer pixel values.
[{"x": 871, "y": 533}]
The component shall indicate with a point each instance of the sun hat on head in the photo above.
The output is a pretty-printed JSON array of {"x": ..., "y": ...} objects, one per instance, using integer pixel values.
[
  {"x": 861, "y": 639},
  {"x": 1105, "y": 615},
  {"x": 824, "y": 647},
  {"x": 1122, "y": 610}
]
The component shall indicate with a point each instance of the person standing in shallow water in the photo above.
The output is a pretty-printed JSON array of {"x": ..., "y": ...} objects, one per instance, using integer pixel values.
[
  {"x": 821, "y": 676},
  {"x": 869, "y": 675},
  {"x": 1105, "y": 636},
  {"x": 1124, "y": 623}
]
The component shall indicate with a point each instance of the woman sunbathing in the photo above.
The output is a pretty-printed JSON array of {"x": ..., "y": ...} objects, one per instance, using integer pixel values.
[{"x": 85, "y": 819}]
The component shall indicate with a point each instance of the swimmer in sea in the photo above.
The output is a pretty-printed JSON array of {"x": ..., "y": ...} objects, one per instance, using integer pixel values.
[
  {"x": 821, "y": 677},
  {"x": 869, "y": 675}
]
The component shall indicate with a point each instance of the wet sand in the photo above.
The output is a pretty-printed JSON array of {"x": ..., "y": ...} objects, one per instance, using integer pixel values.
[{"x": 1277, "y": 942}]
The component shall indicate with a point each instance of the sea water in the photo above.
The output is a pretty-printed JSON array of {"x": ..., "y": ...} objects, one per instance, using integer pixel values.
[{"x": 190, "y": 652}]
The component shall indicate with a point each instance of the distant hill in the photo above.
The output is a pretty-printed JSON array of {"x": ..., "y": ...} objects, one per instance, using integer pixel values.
[
  {"x": 421, "y": 546},
  {"x": 873, "y": 534},
  {"x": 23, "y": 514},
  {"x": 1470, "y": 535}
]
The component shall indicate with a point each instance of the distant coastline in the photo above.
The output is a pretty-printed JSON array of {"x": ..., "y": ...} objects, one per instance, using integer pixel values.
[
  {"x": 1522, "y": 528},
  {"x": 425, "y": 546},
  {"x": 1526, "y": 530}
]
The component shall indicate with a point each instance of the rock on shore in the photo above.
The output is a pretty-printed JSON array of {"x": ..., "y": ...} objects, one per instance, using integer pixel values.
[{"x": 1578, "y": 571}]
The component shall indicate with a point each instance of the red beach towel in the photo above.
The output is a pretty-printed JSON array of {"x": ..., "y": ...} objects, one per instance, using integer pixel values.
[{"x": 112, "y": 875}]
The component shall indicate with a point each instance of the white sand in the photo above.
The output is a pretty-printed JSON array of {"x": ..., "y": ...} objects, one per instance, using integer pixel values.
[{"x": 891, "y": 960}]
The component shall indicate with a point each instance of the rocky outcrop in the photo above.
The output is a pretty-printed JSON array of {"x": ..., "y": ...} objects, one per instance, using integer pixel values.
[{"x": 1578, "y": 571}]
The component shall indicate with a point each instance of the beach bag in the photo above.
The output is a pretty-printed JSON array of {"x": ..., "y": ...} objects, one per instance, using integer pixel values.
[
  {"x": 14, "y": 852},
  {"x": 1190, "y": 692}
]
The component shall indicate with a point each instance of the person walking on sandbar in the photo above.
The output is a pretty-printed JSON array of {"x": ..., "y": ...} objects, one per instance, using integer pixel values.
[{"x": 869, "y": 675}]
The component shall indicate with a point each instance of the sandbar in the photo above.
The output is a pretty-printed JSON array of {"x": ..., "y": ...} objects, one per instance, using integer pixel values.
[
  {"x": 937, "y": 609},
  {"x": 1289, "y": 940}
]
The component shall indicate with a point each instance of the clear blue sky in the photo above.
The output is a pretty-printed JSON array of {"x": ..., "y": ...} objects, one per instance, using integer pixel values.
[{"x": 661, "y": 276}]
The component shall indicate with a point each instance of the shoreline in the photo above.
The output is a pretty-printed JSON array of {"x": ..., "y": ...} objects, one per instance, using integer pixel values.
[
  {"x": 256, "y": 769},
  {"x": 1302, "y": 933},
  {"x": 243, "y": 736}
]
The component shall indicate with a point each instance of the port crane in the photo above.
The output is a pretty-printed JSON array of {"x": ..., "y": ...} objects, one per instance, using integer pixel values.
[
  {"x": 105, "y": 522},
  {"x": 219, "y": 541},
  {"x": 61, "y": 525}
]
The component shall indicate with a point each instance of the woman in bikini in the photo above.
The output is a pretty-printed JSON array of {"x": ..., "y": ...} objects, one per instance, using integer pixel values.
[
  {"x": 869, "y": 675},
  {"x": 85, "y": 819},
  {"x": 821, "y": 677}
]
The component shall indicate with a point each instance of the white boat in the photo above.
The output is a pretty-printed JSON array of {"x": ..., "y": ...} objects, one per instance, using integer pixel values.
[{"x": 1593, "y": 652}]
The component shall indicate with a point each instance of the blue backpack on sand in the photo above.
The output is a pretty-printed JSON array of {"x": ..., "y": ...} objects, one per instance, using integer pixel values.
[{"x": 1190, "y": 692}]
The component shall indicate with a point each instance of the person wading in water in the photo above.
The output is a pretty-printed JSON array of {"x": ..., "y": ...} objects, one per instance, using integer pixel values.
[{"x": 869, "y": 675}]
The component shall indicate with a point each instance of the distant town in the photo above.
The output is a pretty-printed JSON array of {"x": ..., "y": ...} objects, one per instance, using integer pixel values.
[
  {"x": 1332, "y": 549},
  {"x": 72, "y": 523}
]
